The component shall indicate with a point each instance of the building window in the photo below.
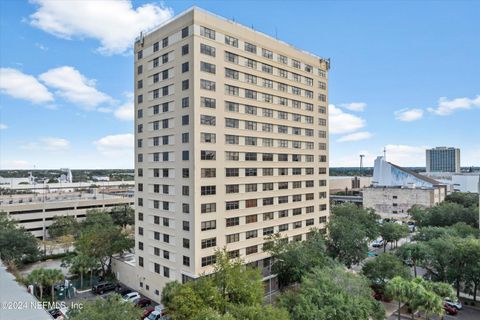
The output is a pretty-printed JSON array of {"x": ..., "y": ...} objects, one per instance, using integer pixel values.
[
  {"x": 186, "y": 261},
  {"x": 207, "y": 50},
  {"x": 208, "y": 172},
  {"x": 185, "y": 84},
  {"x": 206, "y": 32},
  {"x": 184, "y": 49},
  {"x": 251, "y": 250},
  {"x": 232, "y": 205},
  {"x": 208, "y": 225},
  {"x": 185, "y": 120},
  {"x": 207, "y": 120},
  {"x": 251, "y": 234},
  {"x": 208, "y": 102},
  {"x": 208, "y": 155},
  {"x": 231, "y": 41},
  {"x": 207, "y": 67},
  {"x": 231, "y": 222},
  {"x": 208, "y": 190},
  {"x": 208, "y": 207},
  {"x": 250, "y": 47},
  {"x": 207, "y": 85},
  {"x": 206, "y": 261},
  {"x": 233, "y": 237},
  {"x": 253, "y": 217},
  {"x": 206, "y": 137},
  {"x": 208, "y": 243},
  {"x": 185, "y": 32},
  {"x": 186, "y": 243}
]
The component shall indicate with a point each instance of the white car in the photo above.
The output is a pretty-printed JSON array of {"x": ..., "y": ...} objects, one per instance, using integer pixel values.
[
  {"x": 456, "y": 304},
  {"x": 131, "y": 297},
  {"x": 377, "y": 243}
]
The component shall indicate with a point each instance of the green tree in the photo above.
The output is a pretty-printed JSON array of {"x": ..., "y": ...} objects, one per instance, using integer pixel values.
[
  {"x": 102, "y": 242},
  {"x": 236, "y": 283},
  {"x": 123, "y": 215},
  {"x": 258, "y": 312},
  {"x": 95, "y": 217},
  {"x": 52, "y": 277},
  {"x": 292, "y": 260},
  {"x": 16, "y": 243},
  {"x": 63, "y": 226},
  {"x": 349, "y": 229},
  {"x": 446, "y": 214},
  {"x": 37, "y": 278},
  {"x": 81, "y": 264},
  {"x": 397, "y": 288},
  {"x": 113, "y": 307},
  {"x": 414, "y": 253},
  {"x": 331, "y": 291},
  {"x": 232, "y": 291},
  {"x": 169, "y": 291},
  {"x": 384, "y": 268},
  {"x": 463, "y": 198},
  {"x": 391, "y": 232}
]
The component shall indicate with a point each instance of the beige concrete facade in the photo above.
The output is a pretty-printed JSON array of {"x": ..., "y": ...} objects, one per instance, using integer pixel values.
[
  {"x": 231, "y": 146},
  {"x": 394, "y": 202},
  {"x": 338, "y": 183}
]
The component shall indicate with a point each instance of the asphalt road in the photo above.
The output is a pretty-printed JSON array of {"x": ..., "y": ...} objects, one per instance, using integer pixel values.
[{"x": 467, "y": 313}]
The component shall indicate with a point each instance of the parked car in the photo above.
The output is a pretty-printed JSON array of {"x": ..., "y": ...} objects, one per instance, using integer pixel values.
[
  {"x": 372, "y": 254},
  {"x": 456, "y": 304},
  {"x": 142, "y": 302},
  {"x": 122, "y": 290},
  {"x": 378, "y": 243},
  {"x": 155, "y": 315},
  {"x": 449, "y": 309},
  {"x": 411, "y": 226},
  {"x": 132, "y": 296},
  {"x": 103, "y": 287},
  {"x": 147, "y": 312}
]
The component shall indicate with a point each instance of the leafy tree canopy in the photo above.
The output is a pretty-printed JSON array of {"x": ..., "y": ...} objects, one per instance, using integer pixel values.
[
  {"x": 16, "y": 243},
  {"x": 113, "y": 307},
  {"x": 332, "y": 291}
]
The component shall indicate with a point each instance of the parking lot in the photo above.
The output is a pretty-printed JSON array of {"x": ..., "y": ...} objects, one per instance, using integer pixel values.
[{"x": 467, "y": 313}]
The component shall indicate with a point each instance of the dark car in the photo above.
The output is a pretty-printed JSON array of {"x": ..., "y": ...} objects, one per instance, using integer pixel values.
[
  {"x": 103, "y": 287},
  {"x": 449, "y": 309},
  {"x": 143, "y": 302},
  {"x": 122, "y": 290}
]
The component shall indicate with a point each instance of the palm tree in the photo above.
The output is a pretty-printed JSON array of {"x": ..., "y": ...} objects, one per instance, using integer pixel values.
[
  {"x": 52, "y": 277},
  {"x": 81, "y": 264},
  {"x": 432, "y": 304},
  {"x": 37, "y": 278},
  {"x": 397, "y": 288}
]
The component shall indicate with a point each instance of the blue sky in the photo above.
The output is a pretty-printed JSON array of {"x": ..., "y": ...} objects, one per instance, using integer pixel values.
[{"x": 405, "y": 75}]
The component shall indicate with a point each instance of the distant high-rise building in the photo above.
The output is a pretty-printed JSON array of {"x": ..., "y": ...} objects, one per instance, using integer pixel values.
[
  {"x": 231, "y": 146},
  {"x": 443, "y": 159}
]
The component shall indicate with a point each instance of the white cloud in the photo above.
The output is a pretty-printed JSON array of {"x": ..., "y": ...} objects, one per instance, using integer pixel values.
[
  {"x": 15, "y": 164},
  {"x": 342, "y": 122},
  {"x": 126, "y": 111},
  {"x": 357, "y": 136},
  {"x": 74, "y": 87},
  {"x": 409, "y": 114},
  {"x": 353, "y": 160},
  {"x": 116, "y": 145},
  {"x": 114, "y": 23},
  {"x": 3, "y": 126},
  {"x": 23, "y": 86},
  {"x": 406, "y": 155},
  {"x": 446, "y": 107},
  {"x": 354, "y": 106},
  {"x": 48, "y": 144}
]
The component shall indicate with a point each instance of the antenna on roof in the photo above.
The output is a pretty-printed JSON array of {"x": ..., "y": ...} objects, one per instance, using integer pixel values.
[
  {"x": 276, "y": 35},
  {"x": 385, "y": 153}
]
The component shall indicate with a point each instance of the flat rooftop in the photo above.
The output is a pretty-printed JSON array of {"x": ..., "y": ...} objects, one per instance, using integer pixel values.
[
  {"x": 18, "y": 199},
  {"x": 23, "y": 306}
]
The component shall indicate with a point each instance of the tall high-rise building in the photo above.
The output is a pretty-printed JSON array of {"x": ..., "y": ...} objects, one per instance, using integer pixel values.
[
  {"x": 231, "y": 129},
  {"x": 443, "y": 159}
]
